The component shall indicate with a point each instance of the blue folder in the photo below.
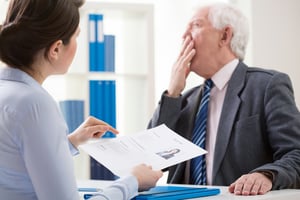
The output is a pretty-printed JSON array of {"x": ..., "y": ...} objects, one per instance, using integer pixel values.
[
  {"x": 100, "y": 53},
  {"x": 176, "y": 193},
  {"x": 109, "y": 53},
  {"x": 73, "y": 112},
  {"x": 92, "y": 42}
]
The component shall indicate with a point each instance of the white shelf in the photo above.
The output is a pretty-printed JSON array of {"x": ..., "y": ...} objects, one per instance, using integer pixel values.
[{"x": 132, "y": 25}]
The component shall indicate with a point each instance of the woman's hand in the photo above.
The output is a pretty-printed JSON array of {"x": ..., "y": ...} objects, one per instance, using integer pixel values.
[
  {"x": 90, "y": 128},
  {"x": 146, "y": 177}
]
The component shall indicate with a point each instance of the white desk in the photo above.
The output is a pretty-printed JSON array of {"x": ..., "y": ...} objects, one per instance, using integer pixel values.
[{"x": 224, "y": 195}]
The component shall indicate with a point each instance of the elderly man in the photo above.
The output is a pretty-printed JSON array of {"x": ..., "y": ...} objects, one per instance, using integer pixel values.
[{"x": 245, "y": 117}]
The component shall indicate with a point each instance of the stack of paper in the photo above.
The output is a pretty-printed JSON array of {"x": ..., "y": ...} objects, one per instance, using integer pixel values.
[{"x": 159, "y": 147}]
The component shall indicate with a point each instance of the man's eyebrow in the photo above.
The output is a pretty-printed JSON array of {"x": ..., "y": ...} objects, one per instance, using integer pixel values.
[{"x": 197, "y": 20}]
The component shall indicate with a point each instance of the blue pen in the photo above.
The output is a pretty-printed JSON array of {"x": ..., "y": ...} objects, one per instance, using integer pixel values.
[{"x": 87, "y": 196}]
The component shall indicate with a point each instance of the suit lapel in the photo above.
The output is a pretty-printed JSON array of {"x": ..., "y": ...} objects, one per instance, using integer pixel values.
[{"x": 229, "y": 110}]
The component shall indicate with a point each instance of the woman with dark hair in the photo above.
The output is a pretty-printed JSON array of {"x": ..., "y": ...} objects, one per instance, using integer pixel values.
[{"x": 38, "y": 39}]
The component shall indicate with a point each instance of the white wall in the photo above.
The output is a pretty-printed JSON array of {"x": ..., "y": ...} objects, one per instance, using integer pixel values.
[
  {"x": 275, "y": 31},
  {"x": 3, "y": 7},
  {"x": 276, "y": 42}
]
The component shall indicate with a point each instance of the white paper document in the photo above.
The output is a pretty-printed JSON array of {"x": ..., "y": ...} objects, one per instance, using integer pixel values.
[{"x": 159, "y": 147}]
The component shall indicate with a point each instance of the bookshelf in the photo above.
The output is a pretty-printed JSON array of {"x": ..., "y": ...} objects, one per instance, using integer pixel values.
[{"x": 132, "y": 25}]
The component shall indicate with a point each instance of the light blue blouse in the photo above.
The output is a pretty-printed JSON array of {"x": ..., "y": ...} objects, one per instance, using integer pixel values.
[{"x": 35, "y": 157}]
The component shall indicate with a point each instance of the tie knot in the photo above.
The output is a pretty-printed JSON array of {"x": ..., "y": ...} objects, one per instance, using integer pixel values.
[{"x": 208, "y": 83}]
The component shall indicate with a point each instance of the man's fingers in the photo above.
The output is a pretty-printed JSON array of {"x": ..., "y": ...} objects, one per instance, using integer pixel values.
[{"x": 251, "y": 184}]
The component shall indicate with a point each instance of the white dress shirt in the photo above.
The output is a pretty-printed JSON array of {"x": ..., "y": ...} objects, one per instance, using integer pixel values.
[
  {"x": 217, "y": 95},
  {"x": 35, "y": 157}
]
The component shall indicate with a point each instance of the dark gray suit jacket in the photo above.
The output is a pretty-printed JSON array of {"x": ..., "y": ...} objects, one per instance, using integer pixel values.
[{"x": 259, "y": 128}]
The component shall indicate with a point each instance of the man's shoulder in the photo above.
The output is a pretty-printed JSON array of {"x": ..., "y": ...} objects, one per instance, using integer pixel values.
[
  {"x": 262, "y": 72},
  {"x": 256, "y": 77}
]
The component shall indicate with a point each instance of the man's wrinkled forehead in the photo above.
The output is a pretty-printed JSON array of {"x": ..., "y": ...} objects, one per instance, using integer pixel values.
[{"x": 201, "y": 13}]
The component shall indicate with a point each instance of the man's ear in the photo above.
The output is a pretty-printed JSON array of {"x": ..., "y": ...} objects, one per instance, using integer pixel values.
[
  {"x": 226, "y": 36},
  {"x": 54, "y": 50}
]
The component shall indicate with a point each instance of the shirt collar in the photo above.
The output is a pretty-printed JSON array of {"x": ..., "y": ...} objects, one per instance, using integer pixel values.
[
  {"x": 222, "y": 77},
  {"x": 14, "y": 74}
]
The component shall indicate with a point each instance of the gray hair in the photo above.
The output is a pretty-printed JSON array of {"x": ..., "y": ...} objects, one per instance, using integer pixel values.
[{"x": 222, "y": 15}]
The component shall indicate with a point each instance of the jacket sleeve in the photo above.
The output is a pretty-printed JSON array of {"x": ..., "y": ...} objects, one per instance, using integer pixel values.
[
  {"x": 283, "y": 129},
  {"x": 167, "y": 112}
]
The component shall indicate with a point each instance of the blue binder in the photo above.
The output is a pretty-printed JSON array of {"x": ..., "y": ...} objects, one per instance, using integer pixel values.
[
  {"x": 176, "y": 193},
  {"x": 73, "y": 113},
  {"x": 96, "y": 99},
  {"x": 103, "y": 102},
  {"x": 109, "y": 108},
  {"x": 102, "y": 98},
  {"x": 109, "y": 46},
  {"x": 96, "y": 43},
  {"x": 100, "y": 56},
  {"x": 92, "y": 42}
]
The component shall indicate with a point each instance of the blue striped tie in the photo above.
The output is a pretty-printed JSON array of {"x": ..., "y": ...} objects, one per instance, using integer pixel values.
[{"x": 198, "y": 166}]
